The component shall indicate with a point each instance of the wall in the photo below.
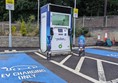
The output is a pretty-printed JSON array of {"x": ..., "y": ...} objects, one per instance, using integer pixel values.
[
  {"x": 95, "y": 26},
  {"x": 90, "y": 41},
  {"x": 32, "y": 41},
  {"x": 20, "y": 41},
  {"x": 111, "y": 31}
]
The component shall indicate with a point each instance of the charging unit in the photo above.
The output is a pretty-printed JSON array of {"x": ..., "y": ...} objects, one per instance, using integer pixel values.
[{"x": 56, "y": 28}]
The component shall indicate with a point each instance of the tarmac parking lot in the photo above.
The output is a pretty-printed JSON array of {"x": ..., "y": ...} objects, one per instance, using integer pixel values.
[{"x": 98, "y": 66}]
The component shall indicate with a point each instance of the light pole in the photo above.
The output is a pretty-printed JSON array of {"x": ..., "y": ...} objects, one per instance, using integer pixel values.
[
  {"x": 74, "y": 25},
  {"x": 38, "y": 14},
  {"x": 10, "y": 34},
  {"x": 105, "y": 12}
]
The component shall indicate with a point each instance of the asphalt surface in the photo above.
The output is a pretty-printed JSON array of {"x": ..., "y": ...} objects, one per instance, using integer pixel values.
[
  {"x": 61, "y": 72},
  {"x": 65, "y": 66},
  {"x": 88, "y": 68}
]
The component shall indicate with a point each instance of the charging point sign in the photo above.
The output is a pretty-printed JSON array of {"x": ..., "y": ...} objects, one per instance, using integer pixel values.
[
  {"x": 75, "y": 13},
  {"x": 10, "y": 4}
]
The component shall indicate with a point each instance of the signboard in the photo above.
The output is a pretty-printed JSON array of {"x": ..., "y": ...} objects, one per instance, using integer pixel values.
[
  {"x": 10, "y": 4},
  {"x": 75, "y": 13}
]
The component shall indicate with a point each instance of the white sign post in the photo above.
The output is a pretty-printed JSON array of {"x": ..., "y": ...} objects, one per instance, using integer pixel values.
[
  {"x": 75, "y": 15},
  {"x": 10, "y": 6}
]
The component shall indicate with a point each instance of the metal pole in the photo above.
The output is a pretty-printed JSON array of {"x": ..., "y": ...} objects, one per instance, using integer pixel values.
[
  {"x": 38, "y": 21},
  {"x": 10, "y": 35},
  {"x": 83, "y": 20},
  {"x": 106, "y": 20},
  {"x": 74, "y": 25},
  {"x": 38, "y": 15},
  {"x": 105, "y": 11}
]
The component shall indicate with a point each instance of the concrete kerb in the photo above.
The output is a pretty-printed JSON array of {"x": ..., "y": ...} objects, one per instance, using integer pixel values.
[
  {"x": 114, "y": 48},
  {"x": 14, "y": 51}
]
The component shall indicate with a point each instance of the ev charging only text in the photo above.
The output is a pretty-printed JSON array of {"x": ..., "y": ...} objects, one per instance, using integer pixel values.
[{"x": 21, "y": 75}]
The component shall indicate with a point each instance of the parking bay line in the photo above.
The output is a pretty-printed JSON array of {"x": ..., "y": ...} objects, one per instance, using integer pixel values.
[
  {"x": 98, "y": 59},
  {"x": 75, "y": 72},
  {"x": 40, "y": 55},
  {"x": 79, "y": 65},
  {"x": 99, "y": 63},
  {"x": 102, "y": 60},
  {"x": 69, "y": 69},
  {"x": 65, "y": 59},
  {"x": 101, "y": 73},
  {"x": 113, "y": 81}
]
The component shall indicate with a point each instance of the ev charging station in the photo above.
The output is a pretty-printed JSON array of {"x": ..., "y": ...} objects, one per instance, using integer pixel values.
[{"x": 56, "y": 28}]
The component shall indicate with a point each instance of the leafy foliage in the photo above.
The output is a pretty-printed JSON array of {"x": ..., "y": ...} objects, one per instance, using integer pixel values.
[
  {"x": 83, "y": 30},
  {"x": 28, "y": 26},
  {"x": 25, "y": 8},
  {"x": 23, "y": 29},
  {"x": 13, "y": 30}
]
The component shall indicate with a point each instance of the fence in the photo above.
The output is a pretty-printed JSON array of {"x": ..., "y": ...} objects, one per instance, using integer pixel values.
[
  {"x": 96, "y": 26},
  {"x": 4, "y": 28},
  {"x": 111, "y": 21}
]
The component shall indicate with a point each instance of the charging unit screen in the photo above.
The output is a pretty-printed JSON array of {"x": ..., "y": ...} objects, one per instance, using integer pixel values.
[{"x": 60, "y": 30}]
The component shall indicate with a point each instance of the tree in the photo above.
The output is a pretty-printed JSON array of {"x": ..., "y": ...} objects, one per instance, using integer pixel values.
[
  {"x": 25, "y": 8},
  {"x": 91, "y": 7},
  {"x": 112, "y": 7},
  {"x": 3, "y": 11}
]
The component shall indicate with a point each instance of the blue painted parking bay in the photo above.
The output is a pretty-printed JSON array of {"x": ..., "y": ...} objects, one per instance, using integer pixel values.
[
  {"x": 102, "y": 52},
  {"x": 19, "y": 67}
]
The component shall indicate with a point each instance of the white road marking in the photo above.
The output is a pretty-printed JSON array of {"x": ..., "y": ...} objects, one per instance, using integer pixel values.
[
  {"x": 79, "y": 65},
  {"x": 44, "y": 57},
  {"x": 101, "y": 73},
  {"x": 74, "y": 53},
  {"x": 65, "y": 59},
  {"x": 102, "y": 60},
  {"x": 113, "y": 81},
  {"x": 77, "y": 73},
  {"x": 69, "y": 69},
  {"x": 109, "y": 82}
]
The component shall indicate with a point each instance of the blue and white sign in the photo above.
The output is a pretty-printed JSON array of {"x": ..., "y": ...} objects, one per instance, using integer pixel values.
[{"x": 16, "y": 68}]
